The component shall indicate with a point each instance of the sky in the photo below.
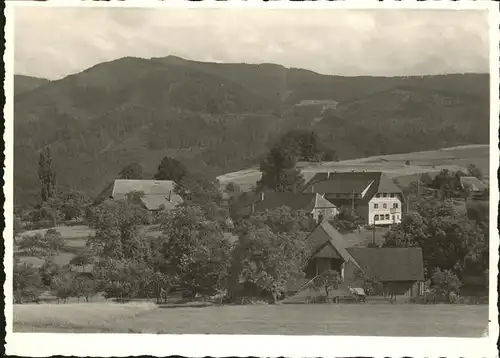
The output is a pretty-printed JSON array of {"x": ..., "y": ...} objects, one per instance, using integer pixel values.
[{"x": 54, "y": 42}]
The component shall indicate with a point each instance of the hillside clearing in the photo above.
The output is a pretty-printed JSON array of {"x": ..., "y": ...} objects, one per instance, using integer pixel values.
[
  {"x": 454, "y": 158},
  {"x": 342, "y": 319}
]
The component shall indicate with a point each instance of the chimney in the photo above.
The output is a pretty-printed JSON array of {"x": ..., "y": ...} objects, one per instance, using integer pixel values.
[
  {"x": 170, "y": 195},
  {"x": 328, "y": 176},
  {"x": 253, "y": 209},
  {"x": 262, "y": 196}
]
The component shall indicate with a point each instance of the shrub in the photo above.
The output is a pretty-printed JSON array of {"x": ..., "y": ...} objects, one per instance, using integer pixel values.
[
  {"x": 453, "y": 298},
  {"x": 444, "y": 283}
]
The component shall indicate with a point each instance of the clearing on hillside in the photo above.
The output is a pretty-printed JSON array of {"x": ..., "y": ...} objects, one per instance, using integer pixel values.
[{"x": 393, "y": 165}]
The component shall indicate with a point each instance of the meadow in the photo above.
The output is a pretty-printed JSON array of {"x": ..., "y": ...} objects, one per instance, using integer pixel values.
[
  {"x": 75, "y": 238},
  {"x": 394, "y": 165},
  {"x": 316, "y": 319}
]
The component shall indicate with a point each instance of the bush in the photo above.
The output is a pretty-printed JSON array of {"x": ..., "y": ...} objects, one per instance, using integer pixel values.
[
  {"x": 444, "y": 283},
  {"x": 453, "y": 298}
]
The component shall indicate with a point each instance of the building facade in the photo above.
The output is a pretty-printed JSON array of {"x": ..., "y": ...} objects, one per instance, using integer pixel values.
[
  {"x": 373, "y": 196},
  {"x": 399, "y": 271}
]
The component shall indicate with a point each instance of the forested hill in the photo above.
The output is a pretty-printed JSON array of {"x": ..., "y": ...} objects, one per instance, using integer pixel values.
[
  {"x": 24, "y": 84},
  {"x": 217, "y": 118}
]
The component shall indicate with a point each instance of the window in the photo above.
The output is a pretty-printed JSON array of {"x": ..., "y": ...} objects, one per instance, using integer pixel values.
[
  {"x": 337, "y": 195},
  {"x": 392, "y": 195},
  {"x": 395, "y": 205},
  {"x": 393, "y": 217},
  {"x": 397, "y": 217},
  {"x": 376, "y": 217},
  {"x": 384, "y": 195},
  {"x": 377, "y": 196},
  {"x": 387, "y": 217},
  {"x": 385, "y": 206},
  {"x": 375, "y": 206}
]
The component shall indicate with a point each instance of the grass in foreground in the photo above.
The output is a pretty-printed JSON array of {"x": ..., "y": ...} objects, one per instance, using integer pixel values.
[{"x": 364, "y": 320}]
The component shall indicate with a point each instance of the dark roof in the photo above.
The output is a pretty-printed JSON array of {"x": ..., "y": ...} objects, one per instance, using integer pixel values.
[
  {"x": 300, "y": 201},
  {"x": 326, "y": 241},
  {"x": 352, "y": 182},
  {"x": 390, "y": 264},
  {"x": 342, "y": 186}
]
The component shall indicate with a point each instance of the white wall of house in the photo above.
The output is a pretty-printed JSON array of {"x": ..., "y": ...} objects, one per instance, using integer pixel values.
[{"x": 385, "y": 209}]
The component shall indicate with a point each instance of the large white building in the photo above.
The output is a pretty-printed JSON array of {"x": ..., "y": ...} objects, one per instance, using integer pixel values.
[{"x": 373, "y": 195}]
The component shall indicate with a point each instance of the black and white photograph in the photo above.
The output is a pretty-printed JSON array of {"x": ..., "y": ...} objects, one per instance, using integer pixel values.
[{"x": 257, "y": 170}]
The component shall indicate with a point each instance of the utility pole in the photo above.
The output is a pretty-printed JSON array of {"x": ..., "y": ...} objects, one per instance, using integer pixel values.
[
  {"x": 352, "y": 208},
  {"x": 374, "y": 227}
]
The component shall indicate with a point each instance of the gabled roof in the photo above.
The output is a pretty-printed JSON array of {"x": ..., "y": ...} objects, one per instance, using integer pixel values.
[
  {"x": 352, "y": 182},
  {"x": 299, "y": 201},
  {"x": 157, "y": 193},
  {"x": 324, "y": 238},
  {"x": 342, "y": 186},
  {"x": 149, "y": 187},
  {"x": 472, "y": 183},
  {"x": 390, "y": 264},
  {"x": 158, "y": 202}
]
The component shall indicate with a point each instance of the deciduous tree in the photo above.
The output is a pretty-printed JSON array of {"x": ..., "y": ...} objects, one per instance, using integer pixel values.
[
  {"x": 85, "y": 286},
  {"x": 194, "y": 250},
  {"x": 131, "y": 171},
  {"x": 27, "y": 283},
  {"x": 327, "y": 281},
  {"x": 63, "y": 286},
  {"x": 74, "y": 204},
  {"x": 171, "y": 169},
  {"x": 270, "y": 260},
  {"x": 117, "y": 232},
  {"x": 474, "y": 171},
  {"x": 448, "y": 239},
  {"x": 46, "y": 174}
]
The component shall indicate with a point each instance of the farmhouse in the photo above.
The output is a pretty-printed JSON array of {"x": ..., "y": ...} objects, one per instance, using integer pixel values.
[
  {"x": 399, "y": 270},
  {"x": 155, "y": 194},
  {"x": 313, "y": 204},
  {"x": 372, "y": 194}
]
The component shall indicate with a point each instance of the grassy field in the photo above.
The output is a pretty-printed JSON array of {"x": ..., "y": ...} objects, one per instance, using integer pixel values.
[
  {"x": 75, "y": 238},
  {"x": 455, "y": 158},
  {"x": 327, "y": 319}
]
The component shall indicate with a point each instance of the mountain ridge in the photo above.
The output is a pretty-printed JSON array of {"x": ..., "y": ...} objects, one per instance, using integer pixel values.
[{"x": 221, "y": 117}]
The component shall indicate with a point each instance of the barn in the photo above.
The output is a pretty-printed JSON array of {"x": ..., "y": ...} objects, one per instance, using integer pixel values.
[{"x": 399, "y": 271}]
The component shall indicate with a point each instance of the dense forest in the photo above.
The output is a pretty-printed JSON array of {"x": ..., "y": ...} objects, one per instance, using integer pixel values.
[{"x": 216, "y": 118}]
